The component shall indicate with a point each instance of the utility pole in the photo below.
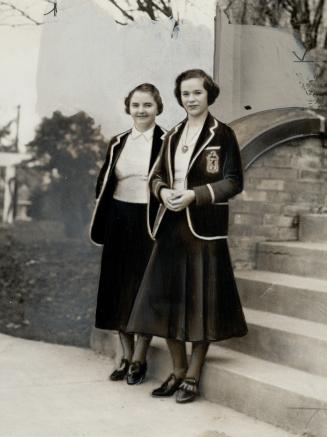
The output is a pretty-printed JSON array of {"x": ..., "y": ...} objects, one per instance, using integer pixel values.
[{"x": 17, "y": 129}]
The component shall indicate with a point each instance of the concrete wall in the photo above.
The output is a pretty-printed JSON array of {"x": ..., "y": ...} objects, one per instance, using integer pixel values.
[{"x": 257, "y": 69}]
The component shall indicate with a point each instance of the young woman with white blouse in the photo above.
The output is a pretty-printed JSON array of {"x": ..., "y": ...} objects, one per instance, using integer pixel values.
[{"x": 119, "y": 223}]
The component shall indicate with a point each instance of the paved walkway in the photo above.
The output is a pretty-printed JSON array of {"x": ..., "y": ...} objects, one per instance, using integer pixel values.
[{"x": 48, "y": 390}]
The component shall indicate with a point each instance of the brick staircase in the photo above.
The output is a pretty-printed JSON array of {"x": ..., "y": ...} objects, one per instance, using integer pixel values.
[
  {"x": 278, "y": 372},
  {"x": 285, "y": 303}
]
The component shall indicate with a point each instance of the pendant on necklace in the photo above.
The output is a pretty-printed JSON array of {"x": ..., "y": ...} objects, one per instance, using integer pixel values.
[{"x": 185, "y": 148}]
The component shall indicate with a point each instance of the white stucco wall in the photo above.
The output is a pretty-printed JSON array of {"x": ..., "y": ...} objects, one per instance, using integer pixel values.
[{"x": 88, "y": 62}]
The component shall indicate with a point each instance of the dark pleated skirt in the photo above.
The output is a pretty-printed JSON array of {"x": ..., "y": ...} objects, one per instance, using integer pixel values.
[
  {"x": 126, "y": 252},
  {"x": 188, "y": 291}
]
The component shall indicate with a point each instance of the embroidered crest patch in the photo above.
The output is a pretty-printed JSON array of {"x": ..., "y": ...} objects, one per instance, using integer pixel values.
[{"x": 212, "y": 162}]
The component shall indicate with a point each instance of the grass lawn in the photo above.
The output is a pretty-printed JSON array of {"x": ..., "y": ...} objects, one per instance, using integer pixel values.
[{"x": 48, "y": 283}]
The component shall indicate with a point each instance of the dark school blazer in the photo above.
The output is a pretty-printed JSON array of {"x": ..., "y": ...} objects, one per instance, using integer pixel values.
[
  {"x": 106, "y": 182},
  {"x": 214, "y": 173}
]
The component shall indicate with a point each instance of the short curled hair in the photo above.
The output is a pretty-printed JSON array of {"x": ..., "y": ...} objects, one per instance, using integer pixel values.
[
  {"x": 145, "y": 88},
  {"x": 208, "y": 84}
]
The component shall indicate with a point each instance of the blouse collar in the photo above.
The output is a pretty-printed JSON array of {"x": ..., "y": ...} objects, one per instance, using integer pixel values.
[{"x": 148, "y": 134}]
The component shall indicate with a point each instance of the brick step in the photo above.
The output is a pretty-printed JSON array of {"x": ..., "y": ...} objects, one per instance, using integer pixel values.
[
  {"x": 313, "y": 227},
  {"x": 298, "y": 258},
  {"x": 297, "y": 343},
  {"x": 288, "y": 398},
  {"x": 289, "y": 295}
]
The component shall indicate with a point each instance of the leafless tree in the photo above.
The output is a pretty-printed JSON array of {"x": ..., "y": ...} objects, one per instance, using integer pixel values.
[
  {"x": 16, "y": 13},
  {"x": 305, "y": 17},
  {"x": 152, "y": 8},
  {"x": 9, "y": 12}
]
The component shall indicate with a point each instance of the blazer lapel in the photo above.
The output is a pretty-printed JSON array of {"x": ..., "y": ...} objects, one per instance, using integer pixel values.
[
  {"x": 115, "y": 151},
  {"x": 156, "y": 145},
  {"x": 207, "y": 133},
  {"x": 118, "y": 148}
]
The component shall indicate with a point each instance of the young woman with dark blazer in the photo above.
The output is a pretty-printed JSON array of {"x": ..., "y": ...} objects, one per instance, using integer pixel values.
[
  {"x": 119, "y": 224},
  {"x": 188, "y": 292}
]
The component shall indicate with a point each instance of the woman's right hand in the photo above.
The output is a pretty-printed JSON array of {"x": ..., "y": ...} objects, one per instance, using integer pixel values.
[{"x": 166, "y": 194}]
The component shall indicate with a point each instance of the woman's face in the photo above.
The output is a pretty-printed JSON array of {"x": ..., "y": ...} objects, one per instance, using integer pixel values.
[
  {"x": 143, "y": 109},
  {"x": 194, "y": 96}
]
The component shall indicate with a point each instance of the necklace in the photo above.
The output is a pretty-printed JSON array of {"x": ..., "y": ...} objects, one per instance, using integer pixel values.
[{"x": 186, "y": 145}]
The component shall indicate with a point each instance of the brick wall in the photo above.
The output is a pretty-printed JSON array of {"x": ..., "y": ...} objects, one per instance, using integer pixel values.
[{"x": 285, "y": 182}]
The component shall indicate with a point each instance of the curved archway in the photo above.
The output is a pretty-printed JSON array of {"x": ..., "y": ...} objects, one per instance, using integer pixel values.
[{"x": 260, "y": 132}]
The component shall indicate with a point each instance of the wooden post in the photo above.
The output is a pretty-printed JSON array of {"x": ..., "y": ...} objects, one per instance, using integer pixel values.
[{"x": 9, "y": 195}]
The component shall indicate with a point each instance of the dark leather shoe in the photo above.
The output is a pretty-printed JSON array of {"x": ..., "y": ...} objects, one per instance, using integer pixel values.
[
  {"x": 168, "y": 387},
  {"x": 188, "y": 391},
  {"x": 120, "y": 373},
  {"x": 136, "y": 373}
]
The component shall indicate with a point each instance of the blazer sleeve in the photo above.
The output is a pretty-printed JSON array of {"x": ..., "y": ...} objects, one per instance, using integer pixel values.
[
  {"x": 232, "y": 182},
  {"x": 158, "y": 176},
  {"x": 103, "y": 170}
]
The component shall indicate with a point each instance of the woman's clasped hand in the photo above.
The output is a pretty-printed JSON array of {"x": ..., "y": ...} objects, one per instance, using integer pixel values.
[{"x": 177, "y": 200}]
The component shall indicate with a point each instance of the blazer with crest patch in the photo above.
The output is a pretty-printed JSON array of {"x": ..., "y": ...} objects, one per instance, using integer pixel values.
[
  {"x": 214, "y": 173},
  {"x": 106, "y": 182}
]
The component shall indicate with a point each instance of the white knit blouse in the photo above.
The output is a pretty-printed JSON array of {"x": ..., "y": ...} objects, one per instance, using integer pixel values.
[{"x": 132, "y": 167}]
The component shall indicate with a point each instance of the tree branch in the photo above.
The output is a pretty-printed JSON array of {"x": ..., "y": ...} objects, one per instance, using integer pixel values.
[
  {"x": 316, "y": 22},
  {"x": 16, "y": 25},
  {"x": 20, "y": 11},
  {"x": 147, "y": 8},
  {"x": 164, "y": 9},
  {"x": 229, "y": 5},
  {"x": 244, "y": 11},
  {"x": 126, "y": 14}
]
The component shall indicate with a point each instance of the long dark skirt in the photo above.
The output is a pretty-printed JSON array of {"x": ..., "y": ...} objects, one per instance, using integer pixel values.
[
  {"x": 188, "y": 290},
  {"x": 126, "y": 252}
]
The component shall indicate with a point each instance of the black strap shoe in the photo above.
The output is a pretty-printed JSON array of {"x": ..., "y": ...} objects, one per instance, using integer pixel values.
[
  {"x": 120, "y": 373},
  {"x": 136, "y": 372},
  {"x": 168, "y": 387},
  {"x": 188, "y": 391}
]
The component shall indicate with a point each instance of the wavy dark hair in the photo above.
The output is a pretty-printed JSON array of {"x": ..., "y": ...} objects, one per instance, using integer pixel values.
[
  {"x": 145, "y": 88},
  {"x": 208, "y": 84}
]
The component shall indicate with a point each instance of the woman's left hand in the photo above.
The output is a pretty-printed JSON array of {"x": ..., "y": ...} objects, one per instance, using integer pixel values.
[{"x": 181, "y": 200}]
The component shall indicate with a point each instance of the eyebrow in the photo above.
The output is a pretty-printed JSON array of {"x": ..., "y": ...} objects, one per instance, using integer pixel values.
[{"x": 187, "y": 91}]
